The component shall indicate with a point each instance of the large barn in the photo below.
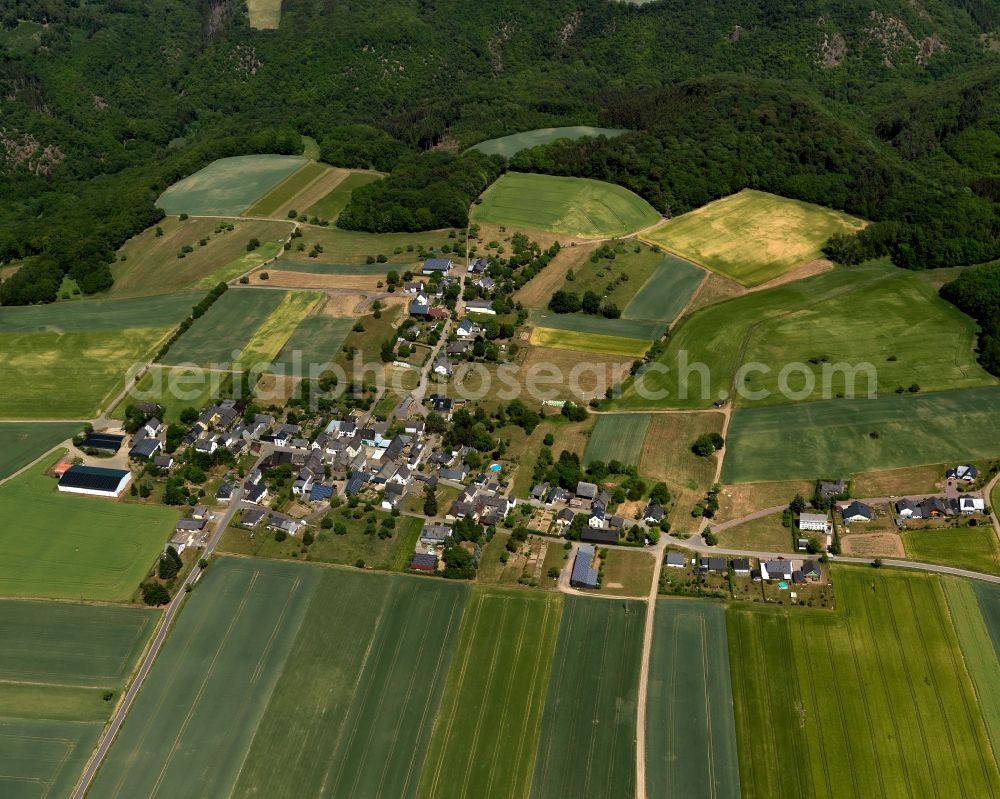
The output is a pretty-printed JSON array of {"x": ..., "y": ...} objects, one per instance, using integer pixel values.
[{"x": 95, "y": 481}]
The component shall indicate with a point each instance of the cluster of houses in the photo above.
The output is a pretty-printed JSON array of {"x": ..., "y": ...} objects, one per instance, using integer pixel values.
[
  {"x": 939, "y": 507},
  {"x": 781, "y": 570},
  {"x": 602, "y": 527}
]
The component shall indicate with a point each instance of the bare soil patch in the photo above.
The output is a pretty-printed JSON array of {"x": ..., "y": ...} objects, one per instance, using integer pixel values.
[
  {"x": 304, "y": 280},
  {"x": 875, "y": 545},
  {"x": 537, "y": 292}
]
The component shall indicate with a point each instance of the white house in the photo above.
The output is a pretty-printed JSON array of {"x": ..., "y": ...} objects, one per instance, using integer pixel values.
[
  {"x": 813, "y": 521},
  {"x": 968, "y": 505}
]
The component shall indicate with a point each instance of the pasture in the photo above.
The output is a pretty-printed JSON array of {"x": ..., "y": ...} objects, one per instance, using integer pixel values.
[
  {"x": 977, "y": 647},
  {"x": 691, "y": 734},
  {"x": 334, "y": 201},
  {"x": 752, "y": 236},
  {"x": 597, "y": 325},
  {"x": 264, "y": 15},
  {"x": 228, "y": 186},
  {"x": 804, "y": 441},
  {"x": 840, "y": 332},
  {"x": 972, "y": 548},
  {"x": 666, "y": 292},
  {"x": 501, "y": 669},
  {"x": 191, "y": 726},
  {"x": 617, "y": 437},
  {"x": 508, "y": 146},
  {"x": 627, "y": 573},
  {"x": 174, "y": 389},
  {"x": 579, "y": 378},
  {"x": 25, "y": 441},
  {"x": 590, "y": 209},
  {"x": 587, "y": 743},
  {"x": 65, "y": 360},
  {"x": 220, "y": 336},
  {"x": 279, "y": 200},
  {"x": 616, "y": 280},
  {"x": 152, "y": 265},
  {"x": 353, "y": 711},
  {"x": 988, "y": 596},
  {"x": 354, "y": 247},
  {"x": 316, "y": 340},
  {"x": 67, "y": 546},
  {"x": 874, "y": 699}
]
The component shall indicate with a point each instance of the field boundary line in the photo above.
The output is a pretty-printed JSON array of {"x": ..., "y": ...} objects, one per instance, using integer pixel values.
[{"x": 463, "y": 671}]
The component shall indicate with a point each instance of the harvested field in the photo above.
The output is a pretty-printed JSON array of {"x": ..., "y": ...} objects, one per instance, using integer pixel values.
[
  {"x": 152, "y": 265},
  {"x": 588, "y": 342},
  {"x": 752, "y": 236},
  {"x": 314, "y": 267},
  {"x": 691, "y": 736},
  {"x": 504, "y": 657},
  {"x": 229, "y": 185},
  {"x": 737, "y": 501},
  {"x": 873, "y": 545},
  {"x": 575, "y": 206},
  {"x": 582, "y": 378},
  {"x": 305, "y": 280},
  {"x": 628, "y": 574},
  {"x": 508, "y": 146},
  {"x": 597, "y": 325}
]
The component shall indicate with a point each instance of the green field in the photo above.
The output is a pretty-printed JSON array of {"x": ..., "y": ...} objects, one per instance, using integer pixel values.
[
  {"x": 190, "y": 728},
  {"x": 152, "y": 265},
  {"x": 977, "y": 647},
  {"x": 988, "y": 596},
  {"x": 800, "y": 442},
  {"x": 508, "y": 146},
  {"x": 667, "y": 291},
  {"x": 68, "y": 546},
  {"x": 282, "y": 194},
  {"x": 752, "y": 236},
  {"x": 871, "y": 319},
  {"x": 222, "y": 333},
  {"x": 317, "y": 340},
  {"x": 277, "y": 327},
  {"x": 334, "y": 202},
  {"x": 691, "y": 735},
  {"x": 501, "y": 670},
  {"x": 175, "y": 389},
  {"x": 972, "y": 548},
  {"x": 872, "y": 700},
  {"x": 56, "y": 662},
  {"x": 587, "y": 744},
  {"x": 617, "y": 437},
  {"x": 615, "y": 280},
  {"x": 22, "y": 442},
  {"x": 42, "y": 758},
  {"x": 65, "y": 360},
  {"x": 352, "y": 713},
  {"x": 354, "y": 247},
  {"x": 597, "y": 325},
  {"x": 575, "y": 206},
  {"x": 227, "y": 186}
]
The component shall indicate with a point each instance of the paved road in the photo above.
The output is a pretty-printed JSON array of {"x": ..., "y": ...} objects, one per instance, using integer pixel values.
[{"x": 97, "y": 757}]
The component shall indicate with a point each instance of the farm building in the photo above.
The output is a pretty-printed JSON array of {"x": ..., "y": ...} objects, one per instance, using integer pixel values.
[
  {"x": 480, "y": 306},
  {"x": 423, "y": 562},
  {"x": 94, "y": 481},
  {"x": 584, "y": 574},
  {"x": 437, "y": 265},
  {"x": 103, "y": 442},
  {"x": 813, "y": 521}
]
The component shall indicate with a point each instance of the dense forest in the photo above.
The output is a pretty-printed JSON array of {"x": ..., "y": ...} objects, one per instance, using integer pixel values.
[
  {"x": 977, "y": 292},
  {"x": 886, "y": 108}
]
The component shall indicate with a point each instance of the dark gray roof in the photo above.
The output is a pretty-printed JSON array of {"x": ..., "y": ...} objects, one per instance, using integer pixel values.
[
  {"x": 103, "y": 441},
  {"x": 584, "y": 574},
  {"x": 93, "y": 478}
]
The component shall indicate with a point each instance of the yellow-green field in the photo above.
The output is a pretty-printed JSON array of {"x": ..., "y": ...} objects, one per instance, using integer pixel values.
[
  {"x": 264, "y": 15},
  {"x": 267, "y": 341},
  {"x": 297, "y": 191},
  {"x": 576, "y": 206},
  {"x": 752, "y": 236},
  {"x": 333, "y": 202},
  {"x": 229, "y": 185},
  {"x": 151, "y": 265},
  {"x": 588, "y": 342}
]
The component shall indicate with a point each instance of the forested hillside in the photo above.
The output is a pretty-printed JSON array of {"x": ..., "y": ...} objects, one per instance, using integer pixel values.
[{"x": 887, "y": 108}]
